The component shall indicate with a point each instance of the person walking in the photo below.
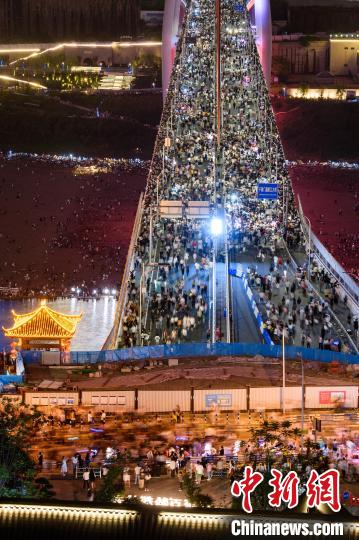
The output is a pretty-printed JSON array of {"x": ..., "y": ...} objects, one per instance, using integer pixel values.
[
  {"x": 199, "y": 472},
  {"x": 86, "y": 479},
  {"x": 137, "y": 474},
  {"x": 180, "y": 479},
  {"x": 75, "y": 463},
  {"x": 92, "y": 479},
  {"x": 209, "y": 470},
  {"x": 63, "y": 466},
  {"x": 40, "y": 460}
]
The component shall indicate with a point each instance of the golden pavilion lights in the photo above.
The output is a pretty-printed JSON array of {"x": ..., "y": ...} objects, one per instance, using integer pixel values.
[{"x": 43, "y": 329}]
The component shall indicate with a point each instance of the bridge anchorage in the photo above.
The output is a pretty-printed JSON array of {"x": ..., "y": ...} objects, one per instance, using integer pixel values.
[{"x": 218, "y": 208}]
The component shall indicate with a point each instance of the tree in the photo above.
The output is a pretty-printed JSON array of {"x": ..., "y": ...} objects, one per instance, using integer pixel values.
[
  {"x": 281, "y": 68},
  {"x": 272, "y": 435},
  {"x": 304, "y": 87},
  {"x": 147, "y": 61},
  {"x": 17, "y": 470},
  {"x": 111, "y": 487},
  {"x": 193, "y": 493},
  {"x": 340, "y": 93}
]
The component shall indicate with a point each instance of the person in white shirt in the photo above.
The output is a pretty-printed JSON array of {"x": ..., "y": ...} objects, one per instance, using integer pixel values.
[
  {"x": 86, "y": 479},
  {"x": 137, "y": 474},
  {"x": 209, "y": 469},
  {"x": 199, "y": 472}
]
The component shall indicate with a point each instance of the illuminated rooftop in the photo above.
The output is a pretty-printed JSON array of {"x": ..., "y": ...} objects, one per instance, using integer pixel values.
[{"x": 43, "y": 322}]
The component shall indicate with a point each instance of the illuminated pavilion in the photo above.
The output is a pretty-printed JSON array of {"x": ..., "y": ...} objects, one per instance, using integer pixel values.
[{"x": 43, "y": 329}]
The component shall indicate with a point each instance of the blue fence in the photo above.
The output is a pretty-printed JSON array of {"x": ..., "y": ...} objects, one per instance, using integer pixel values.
[
  {"x": 201, "y": 349},
  {"x": 256, "y": 314},
  {"x": 11, "y": 379}
]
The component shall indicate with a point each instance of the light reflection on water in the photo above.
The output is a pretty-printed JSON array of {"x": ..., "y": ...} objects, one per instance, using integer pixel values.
[{"x": 92, "y": 331}]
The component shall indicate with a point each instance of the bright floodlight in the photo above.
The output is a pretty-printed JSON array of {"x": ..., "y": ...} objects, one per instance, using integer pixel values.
[{"x": 216, "y": 226}]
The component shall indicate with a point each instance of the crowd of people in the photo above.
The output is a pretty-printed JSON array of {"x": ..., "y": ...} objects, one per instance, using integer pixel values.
[
  {"x": 203, "y": 447},
  {"x": 289, "y": 307},
  {"x": 77, "y": 227},
  {"x": 190, "y": 163}
]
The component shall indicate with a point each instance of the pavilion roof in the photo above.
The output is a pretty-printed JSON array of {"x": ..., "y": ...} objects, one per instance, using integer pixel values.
[{"x": 43, "y": 322}]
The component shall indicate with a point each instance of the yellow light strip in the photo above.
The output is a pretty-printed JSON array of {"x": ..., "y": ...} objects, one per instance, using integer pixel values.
[
  {"x": 103, "y": 512},
  {"x": 191, "y": 517},
  {"x": 18, "y": 50},
  {"x": 35, "y": 85},
  {"x": 342, "y": 40},
  {"x": 123, "y": 44},
  {"x": 56, "y": 48}
]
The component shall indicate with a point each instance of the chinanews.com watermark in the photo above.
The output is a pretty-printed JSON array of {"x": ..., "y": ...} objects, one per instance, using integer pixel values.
[
  {"x": 320, "y": 489},
  {"x": 253, "y": 528}
]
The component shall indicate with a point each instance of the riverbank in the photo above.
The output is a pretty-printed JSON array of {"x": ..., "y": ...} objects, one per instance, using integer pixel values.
[{"x": 66, "y": 224}]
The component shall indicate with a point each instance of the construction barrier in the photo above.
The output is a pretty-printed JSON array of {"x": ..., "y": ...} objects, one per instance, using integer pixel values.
[
  {"x": 195, "y": 401},
  {"x": 198, "y": 349}
]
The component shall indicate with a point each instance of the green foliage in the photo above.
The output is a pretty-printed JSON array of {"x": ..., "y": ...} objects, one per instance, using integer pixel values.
[
  {"x": 148, "y": 61},
  {"x": 269, "y": 434},
  {"x": 304, "y": 87},
  {"x": 304, "y": 41},
  {"x": 17, "y": 470},
  {"x": 111, "y": 487},
  {"x": 281, "y": 68},
  {"x": 193, "y": 493},
  {"x": 44, "y": 488}
]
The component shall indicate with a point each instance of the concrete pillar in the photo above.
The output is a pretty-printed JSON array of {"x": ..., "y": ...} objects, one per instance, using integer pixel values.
[
  {"x": 264, "y": 36},
  {"x": 171, "y": 22}
]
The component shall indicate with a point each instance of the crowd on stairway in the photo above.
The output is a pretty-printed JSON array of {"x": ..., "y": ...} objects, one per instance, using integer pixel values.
[
  {"x": 291, "y": 310},
  {"x": 174, "y": 293},
  {"x": 171, "y": 302}
]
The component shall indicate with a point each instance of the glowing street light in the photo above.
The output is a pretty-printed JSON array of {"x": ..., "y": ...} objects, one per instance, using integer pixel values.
[{"x": 216, "y": 226}]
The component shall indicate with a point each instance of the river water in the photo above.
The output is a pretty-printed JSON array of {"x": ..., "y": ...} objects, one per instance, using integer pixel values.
[{"x": 92, "y": 331}]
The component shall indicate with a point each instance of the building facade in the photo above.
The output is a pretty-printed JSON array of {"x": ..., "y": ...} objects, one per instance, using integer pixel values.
[{"x": 344, "y": 54}]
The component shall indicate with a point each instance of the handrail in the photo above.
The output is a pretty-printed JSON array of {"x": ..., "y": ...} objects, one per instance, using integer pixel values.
[
  {"x": 323, "y": 260},
  {"x": 311, "y": 286},
  {"x": 111, "y": 341}
]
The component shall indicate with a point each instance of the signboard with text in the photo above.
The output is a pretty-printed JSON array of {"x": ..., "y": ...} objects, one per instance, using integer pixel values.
[
  {"x": 222, "y": 400},
  {"x": 329, "y": 397},
  {"x": 267, "y": 191}
]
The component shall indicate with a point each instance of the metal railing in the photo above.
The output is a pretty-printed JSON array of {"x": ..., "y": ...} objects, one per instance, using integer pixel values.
[
  {"x": 79, "y": 471},
  {"x": 111, "y": 341},
  {"x": 204, "y": 349},
  {"x": 351, "y": 290}
]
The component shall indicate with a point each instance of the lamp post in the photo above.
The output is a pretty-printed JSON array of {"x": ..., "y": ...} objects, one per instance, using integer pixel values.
[
  {"x": 283, "y": 372},
  {"x": 151, "y": 237},
  {"x": 299, "y": 355},
  {"x": 216, "y": 230},
  {"x": 309, "y": 245},
  {"x": 140, "y": 307}
]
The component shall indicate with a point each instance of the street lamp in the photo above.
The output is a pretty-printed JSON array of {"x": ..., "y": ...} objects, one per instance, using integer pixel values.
[
  {"x": 216, "y": 226},
  {"x": 309, "y": 244},
  {"x": 283, "y": 371},
  {"x": 216, "y": 230}
]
